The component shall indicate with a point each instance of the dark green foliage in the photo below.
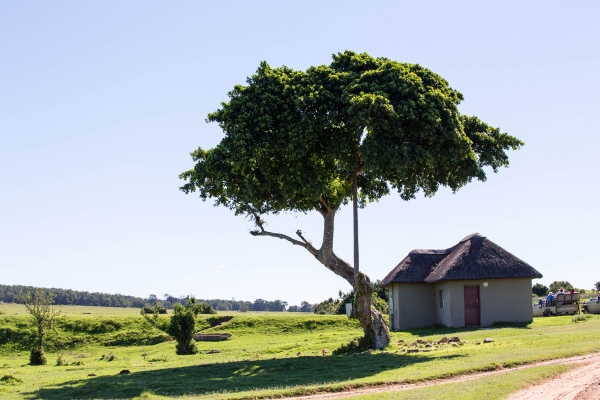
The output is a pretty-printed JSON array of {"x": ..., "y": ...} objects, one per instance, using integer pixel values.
[
  {"x": 37, "y": 357},
  {"x": 379, "y": 304},
  {"x": 597, "y": 286},
  {"x": 182, "y": 327},
  {"x": 305, "y": 306},
  {"x": 539, "y": 290},
  {"x": 10, "y": 379},
  {"x": 357, "y": 345},
  {"x": 11, "y": 294},
  {"x": 329, "y": 306},
  {"x": 337, "y": 306},
  {"x": 150, "y": 310},
  {"x": 182, "y": 324},
  {"x": 205, "y": 309},
  {"x": 292, "y": 138},
  {"x": 554, "y": 286},
  {"x": 382, "y": 292},
  {"x": 264, "y": 305}
]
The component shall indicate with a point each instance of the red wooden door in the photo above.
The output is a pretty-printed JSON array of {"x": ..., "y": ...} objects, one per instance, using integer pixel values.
[{"x": 472, "y": 306}]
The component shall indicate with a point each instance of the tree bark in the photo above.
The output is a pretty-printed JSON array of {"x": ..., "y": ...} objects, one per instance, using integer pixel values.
[
  {"x": 373, "y": 324},
  {"x": 355, "y": 222}
]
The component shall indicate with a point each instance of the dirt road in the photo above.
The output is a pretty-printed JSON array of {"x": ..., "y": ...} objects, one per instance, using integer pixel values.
[{"x": 581, "y": 383}]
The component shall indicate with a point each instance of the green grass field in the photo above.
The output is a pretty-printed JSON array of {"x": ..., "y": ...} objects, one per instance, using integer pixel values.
[{"x": 269, "y": 355}]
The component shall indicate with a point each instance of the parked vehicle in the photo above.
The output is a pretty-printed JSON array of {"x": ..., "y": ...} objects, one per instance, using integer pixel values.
[
  {"x": 562, "y": 304},
  {"x": 591, "y": 306}
]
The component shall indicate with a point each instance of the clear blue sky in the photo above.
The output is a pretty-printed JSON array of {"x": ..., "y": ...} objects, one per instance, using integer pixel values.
[{"x": 102, "y": 102}]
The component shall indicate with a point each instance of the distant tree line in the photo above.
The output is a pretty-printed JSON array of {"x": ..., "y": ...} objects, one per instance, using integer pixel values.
[
  {"x": 541, "y": 290},
  {"x": 12, "y": 294},
  {"x": 222, "y": 305}
]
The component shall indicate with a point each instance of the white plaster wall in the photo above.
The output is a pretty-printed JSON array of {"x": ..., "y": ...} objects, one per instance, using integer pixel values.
[
  {"x": 506, "y": 300},
  {"x": 414, "y": 305}
]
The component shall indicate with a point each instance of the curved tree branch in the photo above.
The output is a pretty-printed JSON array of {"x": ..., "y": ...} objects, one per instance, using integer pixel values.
[
  {"x": 259, "y": 222},
  {"x": 263, "y": 232}
]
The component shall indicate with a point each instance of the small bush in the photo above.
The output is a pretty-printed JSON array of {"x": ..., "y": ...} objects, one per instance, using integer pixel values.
[
  {"x": 60, "y": 360},
  {"x": 379, "y": 304},
  {"x": 10, "y": 379},
  {"x": 151, "y": 310},
  {"x": 182, "y": 324},
  {"x": 356, "y": 346},
  {"x": 580, "y": 317},
  {"x": 37, "y": 357}
]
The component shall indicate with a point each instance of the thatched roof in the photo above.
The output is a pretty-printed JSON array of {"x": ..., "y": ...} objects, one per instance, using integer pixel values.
[{"x": 474, "y": 257}]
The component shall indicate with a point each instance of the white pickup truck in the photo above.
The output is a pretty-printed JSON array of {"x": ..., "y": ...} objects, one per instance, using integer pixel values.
[
  {"x": 591, "y": 306},
  {"x": 562, "y": 304}
]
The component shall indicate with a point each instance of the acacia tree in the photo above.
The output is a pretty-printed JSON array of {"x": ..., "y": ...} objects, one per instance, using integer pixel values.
[
  {"x": 39, "y": 307},
  {"x": 298, "y": 141}
]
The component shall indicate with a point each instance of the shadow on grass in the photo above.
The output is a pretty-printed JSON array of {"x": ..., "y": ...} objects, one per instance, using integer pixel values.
[
  {"x": 444, "y": 330},
  {"x": 232, "y": 377}
]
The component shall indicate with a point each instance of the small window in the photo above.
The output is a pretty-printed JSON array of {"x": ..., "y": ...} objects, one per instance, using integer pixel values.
[{"x": 441, "y": 298}]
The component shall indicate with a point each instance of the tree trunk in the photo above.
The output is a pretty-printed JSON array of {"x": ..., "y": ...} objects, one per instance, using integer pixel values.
[
  {"x": 355, "y": 223},
  {"x": 374, "y": 326},
  {"x": 41, "y": 333}
]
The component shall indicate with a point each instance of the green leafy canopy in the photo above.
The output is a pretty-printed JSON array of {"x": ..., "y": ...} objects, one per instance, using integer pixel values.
[{"x": 294, "y": 139}]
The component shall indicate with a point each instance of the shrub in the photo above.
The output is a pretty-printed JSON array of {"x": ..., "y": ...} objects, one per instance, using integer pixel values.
[
  {"x": 580, "y": 317},
  {"x": 355, "y": 346},
  {"x": 554, "y": 286},
  {"x": 158, "y": 308},
  {"x": 37, "y": 357},
  {"x": 328, "y": 306},
  {"x": 379, "y": 304},
  {"x": 182, "y": 324},
  {"x": 539, "y": 290},
  {"x": 10, "y": 379},
  {"x": 60, "y": 360}
]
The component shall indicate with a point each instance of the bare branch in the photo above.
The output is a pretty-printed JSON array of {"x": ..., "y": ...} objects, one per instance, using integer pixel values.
[
  {"x": 299, "y": 233},
  {"x": 258, "y": 221},
  {"x": 263, "y": 232}
]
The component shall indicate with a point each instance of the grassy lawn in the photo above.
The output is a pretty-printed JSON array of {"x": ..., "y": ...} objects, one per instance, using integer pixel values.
[{"x": 271, "y": 354}]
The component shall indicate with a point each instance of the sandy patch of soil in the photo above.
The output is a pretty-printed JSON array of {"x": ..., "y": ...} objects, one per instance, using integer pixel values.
[{"x": 581, "y": 383}]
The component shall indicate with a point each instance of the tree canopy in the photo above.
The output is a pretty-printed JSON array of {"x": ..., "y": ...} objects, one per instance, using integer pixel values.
[{"x": 293, "y": 139}]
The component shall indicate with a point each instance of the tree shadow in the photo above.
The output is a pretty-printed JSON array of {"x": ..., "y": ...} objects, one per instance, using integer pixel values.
[
  {"x": 233, "y": 376},
  {"x": 444, "y": 330}
]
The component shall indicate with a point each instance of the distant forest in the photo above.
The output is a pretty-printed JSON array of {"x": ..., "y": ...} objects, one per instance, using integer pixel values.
[{"x": 11, "y": 294}]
